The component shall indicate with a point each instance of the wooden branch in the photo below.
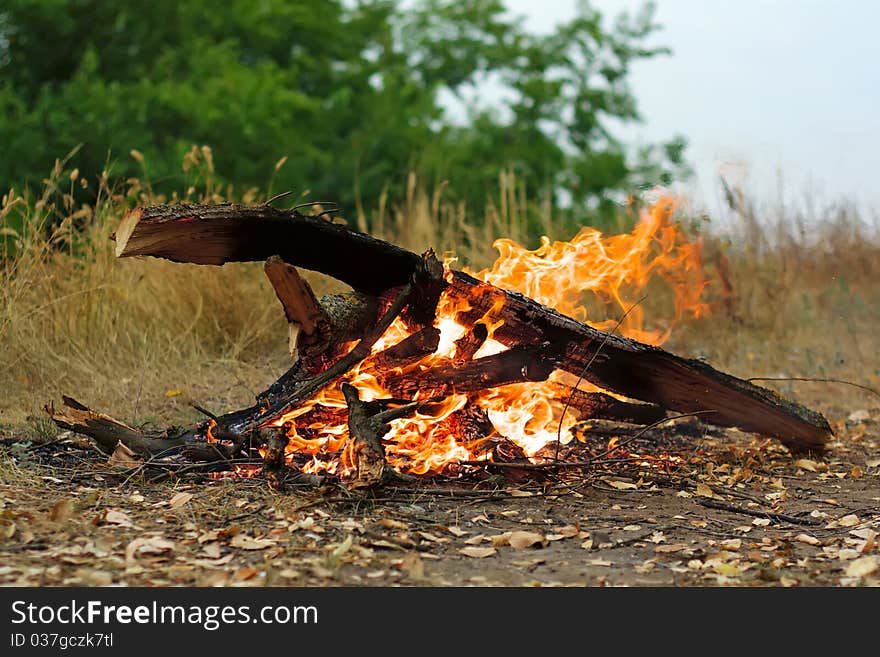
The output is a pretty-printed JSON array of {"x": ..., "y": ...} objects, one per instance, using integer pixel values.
[
  {"x": 276, "y": 440},
  {"x": 364, "y": 453},
  {"x": 597, "y": 405},
  {"x": 407, "y": 351},
  {"x": 216, "y": 234},
  {"x": 309, "y": 325},
  {"x": 516, "y": 365},
  {"x": 106, "y": 431},
  {"x": 470, "y": 343}
]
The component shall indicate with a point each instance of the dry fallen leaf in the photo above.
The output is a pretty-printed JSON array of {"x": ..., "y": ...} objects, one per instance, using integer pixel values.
[
  {"x": 704, "y": 491},
  {"x": 180, "y": 499},
  {"x": 521, "y": 493},
  {"x": 456, "y": 531},
  {"x": 806, "y": 464},
  {"x": 343, "y": 547},
  {"x": 478, "y": 552},
  {"x": 806, "y": 538},
  {"x": 245, "y": 542},
  {"x": 124, "y": 457},
  {"x": 392, "y": 524},
  {"x": 521, "y": 540},
  {"x": 674, "y": 547},
  {"x": 476, "y": 540},
  {"x": 113, "y": 517},
  {"x": 863, "y": 566},
  {"x": 732, "y": 544},
  {"x": 761, "y": 522},
  {"x": 61, "y": 511},
  {"x": 151, "y": 545},
  {"x": 500, "y": 540},
  {"x": 620, "y": 485},
  {"x": 850, "y": 520}
]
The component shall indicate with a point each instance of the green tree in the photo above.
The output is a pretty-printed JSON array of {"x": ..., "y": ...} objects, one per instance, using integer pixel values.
[{"x": 350, "y": 92}]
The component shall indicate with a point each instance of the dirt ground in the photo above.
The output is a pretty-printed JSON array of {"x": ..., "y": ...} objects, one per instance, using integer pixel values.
[{"x": 729, "y": 510}]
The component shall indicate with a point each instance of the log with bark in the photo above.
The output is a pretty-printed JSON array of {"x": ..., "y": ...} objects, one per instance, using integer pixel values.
[{"x": 215, "y": 234}]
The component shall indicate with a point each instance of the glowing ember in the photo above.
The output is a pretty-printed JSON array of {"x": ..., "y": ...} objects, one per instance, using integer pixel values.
[{"x": 611, "y": 271}]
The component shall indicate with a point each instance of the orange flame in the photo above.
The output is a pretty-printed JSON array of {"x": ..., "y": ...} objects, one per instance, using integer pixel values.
[{"x": 613, "y": 271}]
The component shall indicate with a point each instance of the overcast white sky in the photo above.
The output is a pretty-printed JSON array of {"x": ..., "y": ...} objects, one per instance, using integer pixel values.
[{"x": 761, "y": 88}]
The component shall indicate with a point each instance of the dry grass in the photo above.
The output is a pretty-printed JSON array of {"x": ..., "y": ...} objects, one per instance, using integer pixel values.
[{"x": 792, "y": 296}]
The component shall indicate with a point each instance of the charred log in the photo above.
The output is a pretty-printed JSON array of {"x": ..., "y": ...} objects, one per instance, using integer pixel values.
[
  {"x": 470, "y": 343},
  {"x": 108, "y": 432},
  {"x": 407, "y": 351},
  {"x": 597, "y": 405},
  {"x": 516, "y": 365},
  {"x": 365, "y": 452}
]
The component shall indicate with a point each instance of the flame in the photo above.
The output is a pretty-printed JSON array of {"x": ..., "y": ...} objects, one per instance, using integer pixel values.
[{"x": 613, "y": 271}]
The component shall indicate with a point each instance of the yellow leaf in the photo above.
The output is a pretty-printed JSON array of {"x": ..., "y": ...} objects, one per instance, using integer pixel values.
[
  {"x": 478, "y": 552},
  {"x": 732, "y": 544},
  {"x": 173, "y": 392},
  {"x": 521, "y": 540},
  {"x": 728, "y": 569}
]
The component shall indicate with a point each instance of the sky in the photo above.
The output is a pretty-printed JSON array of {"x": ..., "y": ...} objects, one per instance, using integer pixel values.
[{"x": 780, "y": 96}]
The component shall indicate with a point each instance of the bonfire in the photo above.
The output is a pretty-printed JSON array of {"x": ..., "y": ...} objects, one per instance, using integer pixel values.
[{"x": 424, "y": 369}]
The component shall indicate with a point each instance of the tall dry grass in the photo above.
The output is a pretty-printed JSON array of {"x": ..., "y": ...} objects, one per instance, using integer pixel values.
[{"x": 792, "y": 295}]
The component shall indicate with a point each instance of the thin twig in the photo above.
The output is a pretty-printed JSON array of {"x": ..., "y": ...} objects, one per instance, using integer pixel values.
[
  {"x": 814, "y": 380},
  {"x": 779, "y": 517},
  {"x": 584, "y": 371}
]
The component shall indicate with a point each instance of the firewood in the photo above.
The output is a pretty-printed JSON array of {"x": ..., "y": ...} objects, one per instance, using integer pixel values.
[
  {"x": 365, "y": 454},
  {"x": 407, "y": 351},
  {"x": 467, "y": 345},
  {"x": 217, "y": 234},
  {"x": 309, "y": 325},
  {"x": 108, "y": 432},
  {"x": 516, "y": 365},
  {"x": 597, "y": 405},
  {"x": 276, "y": 440}
]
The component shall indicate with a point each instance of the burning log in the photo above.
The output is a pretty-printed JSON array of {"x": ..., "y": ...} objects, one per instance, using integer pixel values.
[
  {"x": 217, "y": 234},
  {"x": 276, "y": 440},
  {"x": 407, "y": 351},
  {"x": 470, "y": 343},
  {"x": 365, "y": 454},
  {"x": 597, "y": 405},
  {"x": 516, "y": 365}
]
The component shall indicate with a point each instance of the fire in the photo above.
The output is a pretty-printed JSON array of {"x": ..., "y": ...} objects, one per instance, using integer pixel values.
[{"x": 613, "y": 271}]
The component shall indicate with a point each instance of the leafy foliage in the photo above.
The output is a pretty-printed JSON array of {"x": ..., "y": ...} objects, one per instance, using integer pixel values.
[{"x": 352, "y": 93}]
